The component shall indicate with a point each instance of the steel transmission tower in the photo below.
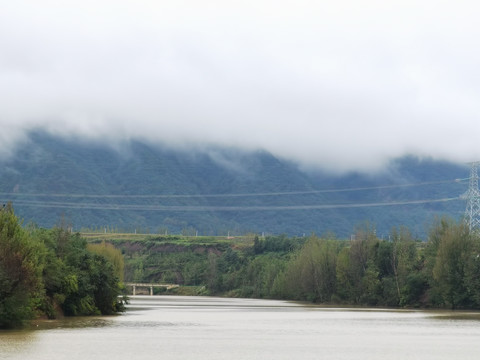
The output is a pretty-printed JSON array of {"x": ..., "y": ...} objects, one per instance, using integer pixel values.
[{"x": 472, "y": 212}]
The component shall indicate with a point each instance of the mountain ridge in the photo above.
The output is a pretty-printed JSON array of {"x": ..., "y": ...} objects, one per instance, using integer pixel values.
[{"x": 215, "y": 191}]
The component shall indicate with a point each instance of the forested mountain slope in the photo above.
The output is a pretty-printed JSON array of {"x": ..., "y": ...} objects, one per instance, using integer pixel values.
[{"x": 213, "y": 191}]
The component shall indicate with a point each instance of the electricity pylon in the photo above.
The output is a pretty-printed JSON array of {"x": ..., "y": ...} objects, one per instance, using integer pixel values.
[{"x": 472, "y": 212}]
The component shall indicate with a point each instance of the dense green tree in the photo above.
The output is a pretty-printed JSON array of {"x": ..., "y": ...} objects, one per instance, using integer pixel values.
[
  {"x": 111, "y": 253},
  {"x": 455, "y": 251},
  {"x": 345, "y": 277},
  {"x": 370, "y": 285},
  {"x": 194, "y": 271},
  {"x": 91, "y": 285},
  {"x": 213, "y": 280},
  {"x": 258, "y": 245},
  {"x": 54, "y": 272},
  {"x": 403, "y": 261},
  {"x": 50, "y": 271},
  {"x": 105, "y": 283},
  {"x": 312, "y": 273},
  {"x": 21, "y": 287},
  {"x": 472, "y": 273},
  {"x": 357, "y": 273},
  {"x": 259, "y": 276}
]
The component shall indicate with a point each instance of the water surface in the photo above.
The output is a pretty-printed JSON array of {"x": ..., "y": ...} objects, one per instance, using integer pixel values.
[{"x": 175, "y": 327}]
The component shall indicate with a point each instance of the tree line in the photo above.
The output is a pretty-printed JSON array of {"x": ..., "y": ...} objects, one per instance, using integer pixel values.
[
  {"x": 52, "y": 272},
  {"x": 398, "y": 271}
]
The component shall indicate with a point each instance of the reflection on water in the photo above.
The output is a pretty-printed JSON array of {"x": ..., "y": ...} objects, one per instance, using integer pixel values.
[
  {"x": 72, "y": 323},
  {"x": 461, "y": 315},
  {"x": 15, "y": 342},
  {"x": 171, "y": 327}
]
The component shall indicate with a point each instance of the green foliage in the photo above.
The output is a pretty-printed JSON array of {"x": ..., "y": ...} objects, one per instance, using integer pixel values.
[
  {"x": 90, "y": 283},
  {"x": 20, "y": 271},
  {"x": 312, "y": 273},
  {"x": 51, "y": 271},
  {"x": 399, "y": 271},
  {"x": 280, "y": 243},
  {"x": 454, "y": 266},
  {"x": 109, "y": 252},
  {"x": 357, "y": 270},
  {"x": 259, "y": 278}
]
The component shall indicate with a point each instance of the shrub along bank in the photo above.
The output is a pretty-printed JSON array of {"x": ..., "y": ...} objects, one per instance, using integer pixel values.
[{"x": 51, "y": 272}]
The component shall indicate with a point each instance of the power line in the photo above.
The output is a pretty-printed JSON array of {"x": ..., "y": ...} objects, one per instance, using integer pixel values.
[
  {"x": 191, "y": 208},
  {"x": 171, "y": 196}
]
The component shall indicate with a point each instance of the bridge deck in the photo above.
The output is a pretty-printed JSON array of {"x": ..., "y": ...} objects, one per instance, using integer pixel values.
[{"x": 151, "y": 286}]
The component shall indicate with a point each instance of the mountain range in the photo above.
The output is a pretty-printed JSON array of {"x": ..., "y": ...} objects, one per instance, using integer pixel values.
[{"x": 144, "y": 187}]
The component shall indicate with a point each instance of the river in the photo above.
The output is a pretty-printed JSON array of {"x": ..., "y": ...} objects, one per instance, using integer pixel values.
[{"x": 175, "y": 327}]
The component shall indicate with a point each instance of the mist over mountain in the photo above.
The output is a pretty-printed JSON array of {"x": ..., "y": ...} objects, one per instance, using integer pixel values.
[
  {"x": 334, "y": 85},
  {"x": 218, "y": 190}
]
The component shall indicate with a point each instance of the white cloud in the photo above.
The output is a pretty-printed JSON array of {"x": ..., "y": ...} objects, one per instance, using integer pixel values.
[{"x": 339, "y": 85}]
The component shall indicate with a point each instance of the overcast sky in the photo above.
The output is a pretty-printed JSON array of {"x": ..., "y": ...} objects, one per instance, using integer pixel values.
[{"x": 341, "y": 85}]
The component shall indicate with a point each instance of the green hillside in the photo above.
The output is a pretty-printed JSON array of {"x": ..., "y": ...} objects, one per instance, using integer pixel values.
[{"x": 148, "y": 188}]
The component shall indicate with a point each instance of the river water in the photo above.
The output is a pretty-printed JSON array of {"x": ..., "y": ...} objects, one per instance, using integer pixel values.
[{"x": 175, "y": 327}]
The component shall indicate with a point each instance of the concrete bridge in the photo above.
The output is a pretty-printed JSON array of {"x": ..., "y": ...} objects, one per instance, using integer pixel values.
[{"x": 151, "y": 286}]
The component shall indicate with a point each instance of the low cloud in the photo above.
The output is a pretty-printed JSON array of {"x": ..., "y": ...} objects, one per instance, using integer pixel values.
[{"x": 343, "y": 85}]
